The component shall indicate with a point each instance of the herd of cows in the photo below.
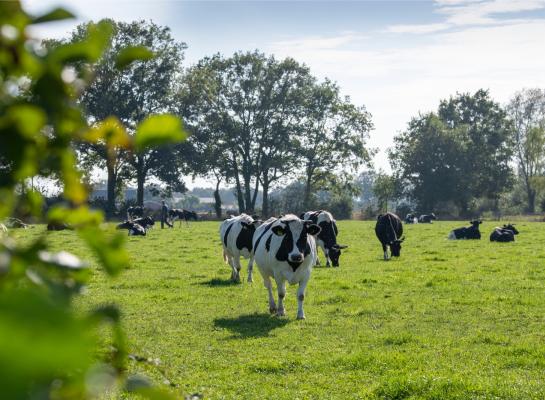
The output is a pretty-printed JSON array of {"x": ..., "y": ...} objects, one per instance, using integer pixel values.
[
  {"x": 285, "y": 248},
  {"x": 138, "y": 225}
]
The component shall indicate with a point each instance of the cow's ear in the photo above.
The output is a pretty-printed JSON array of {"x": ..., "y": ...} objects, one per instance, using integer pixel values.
[
  {"x": 313, "y": 229},
  {"x": 245, "y": 224},
  {"x": 278, "y": 230},
  {"x": 257, "y": 222},
  {"x": 342, "y": 246}
]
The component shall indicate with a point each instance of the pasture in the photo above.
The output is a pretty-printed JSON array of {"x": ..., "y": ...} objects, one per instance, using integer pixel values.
[{"x": 447, "y": 320}]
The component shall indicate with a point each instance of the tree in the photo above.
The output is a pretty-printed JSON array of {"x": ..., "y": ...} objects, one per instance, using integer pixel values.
[
  {"x": 527, "y": 112},
  {"x": 332, "y": 135},
  {"x": 384, "y": 188},
  {"x": 131, "y": 93},
  {"x": 246, "y": 103}
]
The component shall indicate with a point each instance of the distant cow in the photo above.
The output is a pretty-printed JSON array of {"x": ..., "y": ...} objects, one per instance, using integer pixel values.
[
  {"x": 236, "y": 235},
  {"x": 327, "y": 238},
  {"x": 411, "y": 219},
  {"x": 16, "y": 223},
  {"x": 135, "y": 211},
  {"x": 427, "y": 218},
  {"x": 58, "y": 226},
  {"x": 181, "y": 214},
  {"x": 145, "y": 222},
  {"x": 504, "y": 234},
  {"x": 285, "y": 250},
  {"x": 471, "y": 232},
  {"x": 389, "y": 230},
  {"x": 133, "y": 228}
]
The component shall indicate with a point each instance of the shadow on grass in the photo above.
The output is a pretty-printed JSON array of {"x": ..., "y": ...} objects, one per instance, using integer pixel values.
[
  {"x": 219, "y": 282},
  {"x": 251, "y": 325}
]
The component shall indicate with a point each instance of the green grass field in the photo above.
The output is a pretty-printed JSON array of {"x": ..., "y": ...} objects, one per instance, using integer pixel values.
[{"x": 447, "y": 320}]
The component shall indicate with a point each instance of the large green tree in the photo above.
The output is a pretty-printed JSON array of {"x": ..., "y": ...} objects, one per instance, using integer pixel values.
[
  {"x": 527, "y": 111},
  {"x": 131, "y": 93}
]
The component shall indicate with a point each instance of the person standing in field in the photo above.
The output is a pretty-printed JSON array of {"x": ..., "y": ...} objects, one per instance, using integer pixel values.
[{"x": 164, "y": 215}]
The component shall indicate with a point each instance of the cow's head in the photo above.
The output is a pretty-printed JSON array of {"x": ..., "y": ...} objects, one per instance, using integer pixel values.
[
  {"x": 511, "y": 227},
  {"x": 432, "y": 216},
  {"x": 395, "y": 247},
  {"x": 334, "y": 253},
  {"x": 475, "y": 223},
  {"x": 294, "y": 233},
  {"x": 251, "y": 226}
]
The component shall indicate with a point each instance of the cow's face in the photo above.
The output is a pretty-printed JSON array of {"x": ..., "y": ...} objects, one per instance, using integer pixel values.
[
  {"x": 511, "y": 227},
  {"x": 251, "y": 226},
  {"x": 334, "y": 254},
  {"x": 475, "y": 223},
  {"x": 294, "y": 246},
  {"x": 395, "y": 247}
]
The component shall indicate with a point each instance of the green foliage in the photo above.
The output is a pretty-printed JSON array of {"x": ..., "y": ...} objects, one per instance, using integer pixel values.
[
  {"x": 50, "y": 349},
  {"x": 158, "y": 130},
  {"x": 449, "y": 320}
]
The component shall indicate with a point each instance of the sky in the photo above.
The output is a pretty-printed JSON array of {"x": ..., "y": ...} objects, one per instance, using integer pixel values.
[{"x": 397, "y": 58}]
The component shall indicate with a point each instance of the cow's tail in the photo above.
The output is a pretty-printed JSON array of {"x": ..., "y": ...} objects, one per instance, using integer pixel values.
[{"x": 451, "y": 236}]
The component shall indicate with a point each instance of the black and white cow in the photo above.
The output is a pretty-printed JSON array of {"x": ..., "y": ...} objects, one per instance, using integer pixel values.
[
  {"x": 327, "y": 238},
  {"x": 236, "y": 234},
  {"x": 285, "y": 250},
  {"x": 471, "y": 232},
  {"x": 411, "y": 219},
  {"x": 182, "y": 215},
  {"x": 145, "y": 222},
  {"x": 133, "y": 228},
  {"x": 504, "y": 234},
  {"x": 134, "y": 212},
  {"x": 427, "y": 218},
  {"x": 389, "y": 230}
]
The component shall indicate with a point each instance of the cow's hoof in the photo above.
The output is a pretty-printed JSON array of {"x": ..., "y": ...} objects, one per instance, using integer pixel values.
[
  {"x": 301, "y": 316},
  {"x": 281, "y": 312},
  {"x": 250, "y": 280},
  {"x": 272, "y": 310}
]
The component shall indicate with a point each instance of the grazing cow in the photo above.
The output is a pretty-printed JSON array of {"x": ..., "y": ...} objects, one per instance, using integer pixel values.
[
  {"x": 58, "y": 226},
  {"x": 504, "y": 234},
  {"x": 236, "y": 236},
  {"x": 411, "y": 219},
  {"x": 135, "y": 211},
  {"x": 427, "y": 218},
  {"x": 181, "y": 214},
  {"x": 285, "y": 250},
  {"x": 471, "y": 232},
  {"x": 327, "y": 238},
  {"x": 389, "y": 230}
]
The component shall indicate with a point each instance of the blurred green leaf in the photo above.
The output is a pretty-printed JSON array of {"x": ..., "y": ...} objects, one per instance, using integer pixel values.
[
  {"x": 111, "y": 130},
  {"x": 110, "y": 251},
  {"x": 75, "y": 217},
  {"x": 131, "y": 54},
  {"x": 53, "y": 15},
  {"x": 158, "y": 130}
]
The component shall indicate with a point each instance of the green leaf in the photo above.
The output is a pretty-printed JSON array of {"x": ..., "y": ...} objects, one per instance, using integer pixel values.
[
  {"x": 157, "y": 130},
  {"x": 130, "y": 54},
  {"x": 53, "y": 15},
  {"x": 110, "y": 251}
]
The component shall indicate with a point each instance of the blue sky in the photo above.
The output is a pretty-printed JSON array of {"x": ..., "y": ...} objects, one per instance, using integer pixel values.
[{"x": 398, "y": 58}]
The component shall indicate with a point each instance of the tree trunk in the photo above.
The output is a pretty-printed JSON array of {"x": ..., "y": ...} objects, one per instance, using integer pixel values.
[
  {"x": 248, "y": 194},
  {"x": 217, "y": 200},
  {"x": 256, "y": 192},
  {"x": 110, "y": 190},
  {"x": 265, "y": 203},
  {"x": 240, "y": 197},
  {"x": 308, "y": 186},
  {"x": 531, "y": 200},
  {"x": 140, "y": 180}
]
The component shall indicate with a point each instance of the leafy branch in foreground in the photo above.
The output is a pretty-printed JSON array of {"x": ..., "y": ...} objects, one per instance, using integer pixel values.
[{"x": 52, "y": 348}]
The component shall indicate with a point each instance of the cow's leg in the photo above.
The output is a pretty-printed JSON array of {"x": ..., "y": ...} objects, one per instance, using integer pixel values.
[
  {"x": 281, "y": 287},
  {"x": 301, "y": 299},
  {"x": 328, "y": 261},
  {"x": 236, "y": 268},
  {"x": 385, "y": 250},
  {"x": 250, "y": 268},
  {"x": 268, "y": 285}
]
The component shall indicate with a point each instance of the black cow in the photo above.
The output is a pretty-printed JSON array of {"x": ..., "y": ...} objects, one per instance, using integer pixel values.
[
  {"x": 327, "y": 238},
  {"x": 389, "y": 230},
  {"x": 181, "y": 214},
  {"x": 135, "y": 211},
  {"x": 58, "y": 226},
  {"x": 504, "y": 234},
  {"x": 411, "y": 219},
  {"x": 471, "y": 232},
  {"x": 145, "y": 222},
  {"x": 427, "y": 218}
]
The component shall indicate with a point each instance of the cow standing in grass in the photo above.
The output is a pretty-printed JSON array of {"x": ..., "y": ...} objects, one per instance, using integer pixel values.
[
  {"x": 236, "y": 236},
  {"x": 389, "y": 229},
  {"x": 327, "y": 238},
  {"x": 471, "y": 232},
  {"x": 182, "y": 215},
  {"x": 504, "y": 234},
  {"x": 285, "y": 250}
]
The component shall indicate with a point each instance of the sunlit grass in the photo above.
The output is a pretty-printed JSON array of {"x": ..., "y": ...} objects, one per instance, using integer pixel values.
[{"x": 447, "y": 320}]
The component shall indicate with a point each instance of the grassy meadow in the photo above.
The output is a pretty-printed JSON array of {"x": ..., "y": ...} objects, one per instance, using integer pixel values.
[{"x": 447, "y": 320}]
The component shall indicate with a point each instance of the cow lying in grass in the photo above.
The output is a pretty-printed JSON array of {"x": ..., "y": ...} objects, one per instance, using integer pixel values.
[
  {"x": 285, "y": 250},
  {"x": 133, "y": 228},
  {"x": 471, "y": 232},
  {"x": 427, "y": 218},
  {"x": 58, "y": 226},
  {"x": 504, "y": 234},
  {"x": 236, "y": 234}
]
